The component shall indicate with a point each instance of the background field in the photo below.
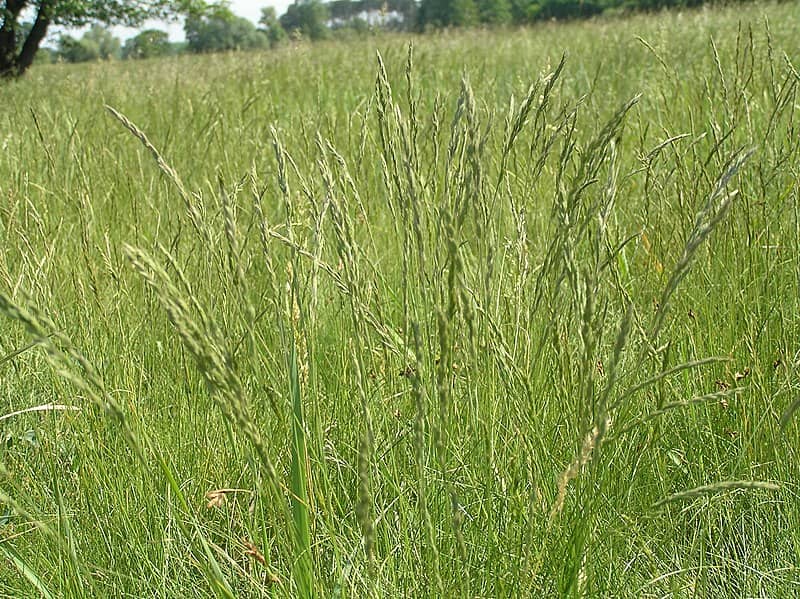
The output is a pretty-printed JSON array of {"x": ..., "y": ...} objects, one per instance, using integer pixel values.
[{"x": 443, "y": 329}]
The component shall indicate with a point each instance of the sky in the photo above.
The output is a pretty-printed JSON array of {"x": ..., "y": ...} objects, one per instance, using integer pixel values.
[{"x": 250, "y": 9}]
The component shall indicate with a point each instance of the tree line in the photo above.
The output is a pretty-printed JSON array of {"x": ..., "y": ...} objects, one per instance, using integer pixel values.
[
  {"x": 214, "y": 27},
  {"x": 219, "y": 30}
]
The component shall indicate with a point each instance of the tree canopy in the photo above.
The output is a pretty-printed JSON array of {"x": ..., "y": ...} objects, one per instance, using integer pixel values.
[
  {"x": 149, "y": 43},
  {"x": 97, "y": 43},
  {"x": 222, "y": 30},
  {"x": 271, "y": 26},
  {"x": 307, "y": 18}
]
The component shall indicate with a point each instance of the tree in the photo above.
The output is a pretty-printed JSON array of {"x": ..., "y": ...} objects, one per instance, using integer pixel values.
[
  {"x": 463, "y": 13},
  {"x": 271, "y": 26},
  {"x": 495, "y": 12},
  {"x": 96, "y": 44},
  {"x": 432, "y": 13},
  {"x": 222, "y": 30},
  {"x": 107, "y": 45},
  {"x": 563, "y": 9},
  {"x": 307, "y": 18},
  {"x": 447, "y": 13},
  {"x": 77, "y": 50},
  {"x": 149, "y": 43},
  {"x": 407, "y": 8},
  {"x": 18, "y": 47}
]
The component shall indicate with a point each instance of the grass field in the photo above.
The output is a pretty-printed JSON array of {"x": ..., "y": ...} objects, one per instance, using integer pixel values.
[{"x": 464, "y": 321}]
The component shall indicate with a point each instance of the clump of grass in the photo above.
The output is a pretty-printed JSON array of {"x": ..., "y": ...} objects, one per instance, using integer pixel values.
[{"x": 70, "y": 364}]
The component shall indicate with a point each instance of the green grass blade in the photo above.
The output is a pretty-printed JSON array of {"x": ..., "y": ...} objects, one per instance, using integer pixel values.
[
  {"x": 26, "y": 571},
  {"x": 716, "y": 488},
  {"x": 303, "y": 562}
]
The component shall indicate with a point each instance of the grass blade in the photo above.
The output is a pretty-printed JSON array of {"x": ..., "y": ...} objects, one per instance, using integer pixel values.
[
  {"x": 303, "y": 564},
  {"x": 26, "y": 571},
  {"x": 714, "y": 489}
]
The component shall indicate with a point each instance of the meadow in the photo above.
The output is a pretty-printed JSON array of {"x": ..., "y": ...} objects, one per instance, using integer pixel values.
[{"x": 475, "y": 314}]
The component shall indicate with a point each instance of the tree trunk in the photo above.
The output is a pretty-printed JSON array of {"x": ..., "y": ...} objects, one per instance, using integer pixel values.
[
  {"x": 35, "y": 37},
  {"x": 8, "y": 36},
  {"x": 13, "y": 64}
]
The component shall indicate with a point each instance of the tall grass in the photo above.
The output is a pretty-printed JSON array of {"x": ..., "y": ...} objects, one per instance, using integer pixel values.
[{"x": 489, "y": 314}]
